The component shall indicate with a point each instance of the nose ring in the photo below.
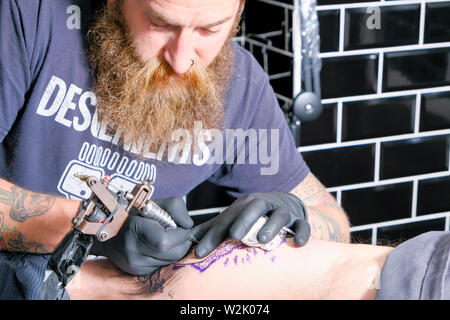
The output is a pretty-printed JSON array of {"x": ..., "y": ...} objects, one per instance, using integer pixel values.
[{"x": 192, "y": 62}]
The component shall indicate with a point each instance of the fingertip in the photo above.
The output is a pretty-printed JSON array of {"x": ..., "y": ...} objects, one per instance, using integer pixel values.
[
  {"x": 302, "y": 232},
  {"x": 300, "y": 241},
  {"x": 200, "y": 252},
  {"x": 264, "y": 237}
]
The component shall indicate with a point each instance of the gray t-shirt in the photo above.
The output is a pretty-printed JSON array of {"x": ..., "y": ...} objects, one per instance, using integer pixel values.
[
  {"x": 49, "y": 127},
  {"x": 418, "y": 269}
]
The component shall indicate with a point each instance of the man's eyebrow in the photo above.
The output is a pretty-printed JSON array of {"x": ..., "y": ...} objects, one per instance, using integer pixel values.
[{"x": 153, "y": 14}]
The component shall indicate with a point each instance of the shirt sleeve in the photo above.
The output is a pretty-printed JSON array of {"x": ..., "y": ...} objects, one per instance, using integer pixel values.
[
  {"x": 418, "y": 269},
  {"x": 16, "y": 43},
  {"x": 269, "y": 159}
]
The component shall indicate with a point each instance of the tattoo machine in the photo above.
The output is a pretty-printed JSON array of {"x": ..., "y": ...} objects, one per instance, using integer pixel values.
[
  {"x": 251, "y": 239},
  {"x": 101, "y": 216}
]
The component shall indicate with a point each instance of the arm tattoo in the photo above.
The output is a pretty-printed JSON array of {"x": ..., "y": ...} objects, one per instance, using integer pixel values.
[
  {"x": 313, "y": 193},
  {"x": 231, "y": 253},
  {"x": 324, "y": 225},
  {"x": 24, "y": 204},
  {"x": 153, "y": 282},
  {"x": 326, "y": 228},
  {"x": 14, "y": 241}
]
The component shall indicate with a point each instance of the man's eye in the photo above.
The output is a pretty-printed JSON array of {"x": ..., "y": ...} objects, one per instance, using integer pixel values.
[
  {"x": 157, "y": 26},
  {"x": 209, "y": 32}
]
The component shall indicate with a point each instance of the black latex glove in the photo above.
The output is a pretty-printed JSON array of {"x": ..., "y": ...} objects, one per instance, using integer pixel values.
[
  {"x": 143, "y": 245},
  {"x": 283, "y": 209}
]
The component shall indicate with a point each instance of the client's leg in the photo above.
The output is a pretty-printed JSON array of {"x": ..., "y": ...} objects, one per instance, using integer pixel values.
[{"x": 320, "y": 270}]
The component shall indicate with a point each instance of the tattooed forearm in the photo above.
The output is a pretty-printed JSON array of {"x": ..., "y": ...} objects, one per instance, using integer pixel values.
[
  {"x": 324, "y": 227},
  {"x": 25, "y": 204},
  {"x": 327, "y": 219},
  {"x": 313, "y": 193},
  {"x": 14, "y": 241}
]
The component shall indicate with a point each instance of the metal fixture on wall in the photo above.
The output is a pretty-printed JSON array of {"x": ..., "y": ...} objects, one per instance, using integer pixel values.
[{"x": 307, "y": 104}]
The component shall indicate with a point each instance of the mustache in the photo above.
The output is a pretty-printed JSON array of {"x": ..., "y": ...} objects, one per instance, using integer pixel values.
[{"x": 159, "y": 75}]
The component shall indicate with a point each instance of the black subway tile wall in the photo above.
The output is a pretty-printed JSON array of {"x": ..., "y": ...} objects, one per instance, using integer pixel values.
[
  {"x": 416, "y": 69},
  {"x": 378, "y": 204},
  {"x": 381, "y": 144},
  {"x": 329, "y": 30},
  {"x": 362, "y": 237},
  {"x": 435, "y": 111},
  {"x": 396, "y": 234},
  {"x": 414, "y": 156},
  {"x": 330, "y": 2},
  {"x": 349, "y": 76},
  {"x": 378, "y": 118},
  {"x": 401, "y": 27},
  {"x": 323, "y": 130},
  {"x": 437, "y": 29},
  {"x": 433, "y": 196},
  {"x": 342, "y": 166}
]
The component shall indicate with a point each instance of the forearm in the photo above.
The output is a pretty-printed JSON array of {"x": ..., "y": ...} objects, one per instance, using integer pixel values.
[
  {"x": 32, "y": 222},
  {"x": 327, "y": 219},
  {"x": 328, "y": 223}
]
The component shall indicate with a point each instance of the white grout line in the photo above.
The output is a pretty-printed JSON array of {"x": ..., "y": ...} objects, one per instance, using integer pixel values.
[
  {"x": 422, "y": 23},
  {"x": 448, "y": 156},
  {"x": 417, "y": 113},
  {"x": 339, "y": 116},
  {"x": 412, "y": 47},
  {"x": 374, "y": 235},
  {"x": 280, "y": 75},
  {"x": 414, "y": 198},
  {"x": 339, "y": 197},
  {"x": 389, "y": 181},
  {"x": 372, "y": 4},
  {"x": 297, "y": 51},
  {"x": 279, "y": 4},
  {"x": 266, "y": 46},
  {"x": 390, "y": 223},
  {"x": 285, "y": 99},
  {"x": 380, "y": 73},
  {"x": 373, "y": 140},
  {"x": 377, "y": 161},
  {"x": 392, "y": 94},
  {"x": 341, "y": 30}
]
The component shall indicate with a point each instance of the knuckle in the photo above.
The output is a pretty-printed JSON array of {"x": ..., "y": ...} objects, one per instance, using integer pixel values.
[
  {"x": 163, "y": 244},
  {"x": 258, "y": 202},
  {"x": 247, "y": 198}
]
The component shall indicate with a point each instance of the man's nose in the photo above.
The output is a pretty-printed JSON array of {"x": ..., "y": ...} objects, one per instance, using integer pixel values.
[{"x": 179, "y": 52}]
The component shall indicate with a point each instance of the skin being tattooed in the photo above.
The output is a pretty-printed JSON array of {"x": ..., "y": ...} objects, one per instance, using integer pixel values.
[
  {"x": 152, "y": 282},
  {"x": 230, "y": 253},
  {"x": 25, "y": 204},
  {"x": 14, "y": 241}
]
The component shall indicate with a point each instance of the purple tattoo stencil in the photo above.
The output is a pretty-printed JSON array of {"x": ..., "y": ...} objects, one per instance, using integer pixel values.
[{"x": 224, "y": 250}]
